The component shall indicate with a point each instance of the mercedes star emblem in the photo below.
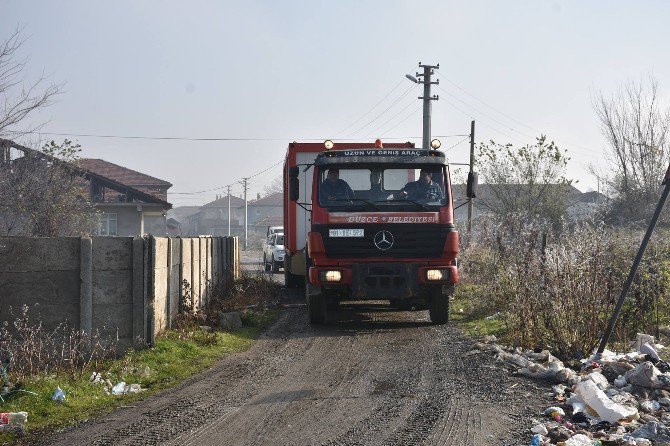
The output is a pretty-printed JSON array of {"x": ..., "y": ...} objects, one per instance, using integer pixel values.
[{"x": 383, "y": 240}]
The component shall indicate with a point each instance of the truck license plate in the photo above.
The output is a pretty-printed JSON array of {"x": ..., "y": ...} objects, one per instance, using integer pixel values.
[{"x": 345, "y": 232}]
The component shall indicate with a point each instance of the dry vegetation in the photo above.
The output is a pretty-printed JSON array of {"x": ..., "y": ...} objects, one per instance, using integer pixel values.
[{"x": 559, "y": 295}]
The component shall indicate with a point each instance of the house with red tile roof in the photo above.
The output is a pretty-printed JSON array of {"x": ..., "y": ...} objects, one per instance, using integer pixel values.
[{"x": 130, "y": 203}]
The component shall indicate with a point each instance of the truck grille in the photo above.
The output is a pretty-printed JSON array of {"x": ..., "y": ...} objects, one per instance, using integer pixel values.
[{"x": 409, "y": 241}]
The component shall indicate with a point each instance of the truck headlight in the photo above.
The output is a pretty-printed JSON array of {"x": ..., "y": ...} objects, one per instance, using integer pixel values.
[
  {"x": 330, "y": 276},
  {"x": 437, "y": 274}
]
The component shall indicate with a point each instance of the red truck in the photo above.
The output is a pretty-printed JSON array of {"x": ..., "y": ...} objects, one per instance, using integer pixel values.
[{"x": 367, "y": 221}]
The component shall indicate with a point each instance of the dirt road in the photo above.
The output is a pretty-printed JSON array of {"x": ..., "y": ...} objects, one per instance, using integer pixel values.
[{"x": 374, "y": 378}]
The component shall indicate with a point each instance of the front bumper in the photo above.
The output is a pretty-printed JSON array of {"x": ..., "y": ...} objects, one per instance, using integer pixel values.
[{"x": 382, "y": 280}]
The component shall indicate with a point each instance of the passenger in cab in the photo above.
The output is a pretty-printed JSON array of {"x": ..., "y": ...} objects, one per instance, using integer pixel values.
[{"x": 422, "y": 189}]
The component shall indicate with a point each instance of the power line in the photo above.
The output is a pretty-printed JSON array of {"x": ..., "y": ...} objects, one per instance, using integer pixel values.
[
  {"x": 159, "y": 138},
  {"x": 219, "y": 139},
  {"x": 405, "y": 119},
  {"x": 459, "y": 142},
  {"x": 386, "y": 109},
  {"x": 506, "y": 115},
  {"x": 392, "y": 118},
  {"x": 375, "y": 106},
  {"x": 227, "y": 185}
]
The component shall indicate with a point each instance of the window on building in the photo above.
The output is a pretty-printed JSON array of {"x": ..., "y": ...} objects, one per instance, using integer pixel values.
[{"x": 107, "y": 224}]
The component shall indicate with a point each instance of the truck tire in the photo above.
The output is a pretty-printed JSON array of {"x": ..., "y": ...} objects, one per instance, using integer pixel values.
[
  {"x": 439, "y": 306},
  {"x": 275, "y": 265},
  {"x": 317, "y": 306}
]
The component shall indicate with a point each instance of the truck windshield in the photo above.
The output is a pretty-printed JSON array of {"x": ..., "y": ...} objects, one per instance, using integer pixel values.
[{"x": 377, "y": 188}]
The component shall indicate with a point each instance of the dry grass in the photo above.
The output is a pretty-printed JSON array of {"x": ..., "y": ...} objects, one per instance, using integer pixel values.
[{"x": 559, "y": 295}]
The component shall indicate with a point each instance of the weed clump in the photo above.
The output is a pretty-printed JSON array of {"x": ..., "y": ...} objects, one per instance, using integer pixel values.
[{"x": 28, "y": 350}]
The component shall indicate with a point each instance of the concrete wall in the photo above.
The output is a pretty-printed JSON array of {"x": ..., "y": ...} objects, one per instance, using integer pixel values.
[
  {"x": 43, "y": 273},
  {"x": 128, "y": 288}
]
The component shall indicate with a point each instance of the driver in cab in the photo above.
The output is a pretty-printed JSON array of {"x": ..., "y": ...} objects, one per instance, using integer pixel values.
[
  {"x": 422, "y": 189},
  {"x": 335, "y": 189}
]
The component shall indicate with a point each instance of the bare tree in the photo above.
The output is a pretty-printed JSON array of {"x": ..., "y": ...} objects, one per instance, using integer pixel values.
[
  {"x": 528, "y": 181},
  {"x": 42, "y": 193},
  {"x": 277, "y": 185},
  {"x": 635, "y": 125},
  {"x": 20, "y": 98}
]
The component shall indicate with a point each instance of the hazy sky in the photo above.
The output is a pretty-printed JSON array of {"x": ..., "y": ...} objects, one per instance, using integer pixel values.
[{"x": 297, "y": 70}]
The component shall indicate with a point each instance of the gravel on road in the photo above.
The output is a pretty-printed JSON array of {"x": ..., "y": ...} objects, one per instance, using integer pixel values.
[{"x": 372, "y": 376}]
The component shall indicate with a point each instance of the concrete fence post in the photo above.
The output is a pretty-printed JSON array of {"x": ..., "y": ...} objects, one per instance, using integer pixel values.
[
  {"x": 168, "y": 304},
  {"x": 139, "y": 296},
  {"x": 86, "y": 288},
  {"x": 150, "y": 259}
]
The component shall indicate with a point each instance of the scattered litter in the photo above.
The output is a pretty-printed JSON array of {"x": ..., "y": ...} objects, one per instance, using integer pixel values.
[
  {"x": 122, "y": 388},
  {"x": 647, "y": 349},
  {"x": 646, "y": 375},
  {"x": 58, "y": 395},
  {"x": 652, "y": 431},
  {"x": 641, "y": 339},
  {"x": 620, "y": 381},
  {"x": 96, "y": 378},
  {"x": 539, "y": 429},
  {"x": 579, "y": 440},
  {"x": 606, "y": 409},
  {"x": 650, "y": 406},
  {"x": 13, "y": 420}
]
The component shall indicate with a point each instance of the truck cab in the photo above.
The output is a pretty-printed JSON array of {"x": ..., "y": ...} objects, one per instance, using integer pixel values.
[{"x": 380, "y": 227}]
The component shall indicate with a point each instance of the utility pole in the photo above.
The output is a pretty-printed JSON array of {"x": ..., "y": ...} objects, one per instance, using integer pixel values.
[
  {"x": 427, "y": 98},
  {"x": 472, "y": 169},
  {"x": 228, "y": 211},
  {"x": 246, "y": 214}
]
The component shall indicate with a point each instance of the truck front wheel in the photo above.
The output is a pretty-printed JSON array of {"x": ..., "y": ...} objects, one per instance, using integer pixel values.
[
  {"x": 317, "y": 306},
  {"x": 439, "y": 305}
]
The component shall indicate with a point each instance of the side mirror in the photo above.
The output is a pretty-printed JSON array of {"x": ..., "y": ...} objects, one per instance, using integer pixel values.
[
  {"x": 471, "y": 188},
  {"x": 293, "y": 183}
]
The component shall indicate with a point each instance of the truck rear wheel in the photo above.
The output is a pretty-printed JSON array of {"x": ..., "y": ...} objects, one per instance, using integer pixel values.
[{"x": 439, "y": 305}]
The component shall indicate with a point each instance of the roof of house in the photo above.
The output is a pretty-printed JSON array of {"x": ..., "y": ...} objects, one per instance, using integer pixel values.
[
  {"x": 223, "y": 202},
  {"x": 100, "y": 177},
  {"x": 180, "y": 213},
  {"x": 121, "y": 174},
  {"x": 276, "y": 199}
]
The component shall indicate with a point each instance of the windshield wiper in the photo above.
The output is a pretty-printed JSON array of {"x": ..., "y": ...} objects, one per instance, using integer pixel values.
[
  {"x": 396, "y": 200},
  {"x": 358, "y": 199}
]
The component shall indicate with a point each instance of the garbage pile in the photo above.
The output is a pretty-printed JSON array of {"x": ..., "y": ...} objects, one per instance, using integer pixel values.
[
  {"x": 120, "y": 388},
  {"x": 617, "y": 399}
]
